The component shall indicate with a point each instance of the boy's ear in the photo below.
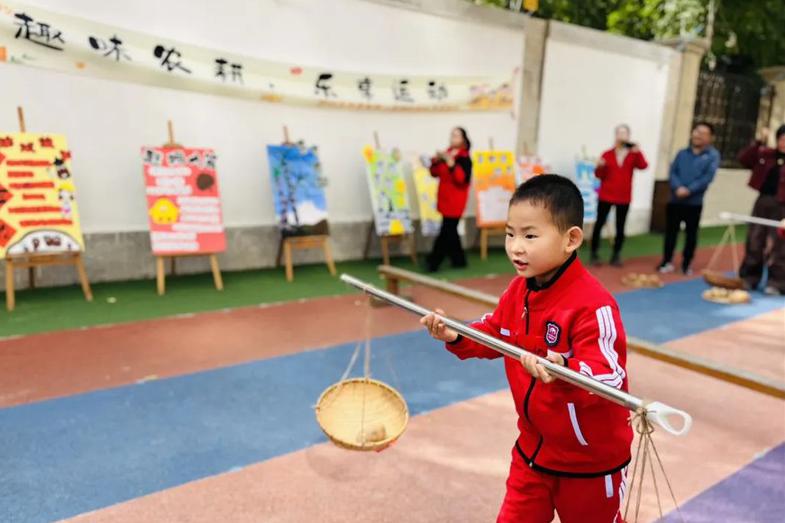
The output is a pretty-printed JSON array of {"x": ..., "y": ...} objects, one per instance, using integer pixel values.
[{"x": 574, "y": 238}]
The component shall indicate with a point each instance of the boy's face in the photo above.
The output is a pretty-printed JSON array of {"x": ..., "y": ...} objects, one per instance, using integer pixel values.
[{"x": 535, "y": 245}]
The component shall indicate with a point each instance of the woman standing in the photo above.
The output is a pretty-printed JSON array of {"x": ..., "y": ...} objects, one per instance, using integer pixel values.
[
  {"x": 453, "y": 167},
  {"x": 614, "y": 169},
  {"x": 768, "y": 178}
]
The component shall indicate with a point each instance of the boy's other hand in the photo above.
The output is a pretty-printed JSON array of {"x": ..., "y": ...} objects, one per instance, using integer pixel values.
[
  {"x": 529, "y": 362},
  {"x": 436, "y": 328}
]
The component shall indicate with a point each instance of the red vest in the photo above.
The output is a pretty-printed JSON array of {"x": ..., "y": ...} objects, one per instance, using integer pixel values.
[{"x": 564, "y": 430}]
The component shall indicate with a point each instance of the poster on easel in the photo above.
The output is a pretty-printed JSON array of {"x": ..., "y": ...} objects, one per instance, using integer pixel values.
[
  {"x": 589, "y": 186},
  {"x": 298, "y": 190},
  {"x": 387, "y": 186},
  {"x": 426, "y": 188},
  {"x": 183, "y": 201},
  {"x": 494, "y": 184},
  {"x": 38, "y": 210},
  {"x": 528, "y": 167}
]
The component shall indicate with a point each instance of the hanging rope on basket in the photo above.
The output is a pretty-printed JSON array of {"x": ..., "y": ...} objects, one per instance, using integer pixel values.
[
  {"x": 719, "y": 278},
  {"x": 362, "y": 413},
  {"x": 643, "y": 455}
]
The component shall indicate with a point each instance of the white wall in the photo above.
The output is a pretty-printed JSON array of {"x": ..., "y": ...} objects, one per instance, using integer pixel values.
[
  {"x": 107, "y": 122},
  {"x": 592, "y": 82}
]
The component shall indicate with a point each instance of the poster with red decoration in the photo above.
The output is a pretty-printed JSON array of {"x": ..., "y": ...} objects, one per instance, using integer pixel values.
[{"x": 183, "y": 201}]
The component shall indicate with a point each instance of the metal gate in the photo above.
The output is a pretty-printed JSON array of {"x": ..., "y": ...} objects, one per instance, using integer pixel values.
[{"x": 732, "y": 104}]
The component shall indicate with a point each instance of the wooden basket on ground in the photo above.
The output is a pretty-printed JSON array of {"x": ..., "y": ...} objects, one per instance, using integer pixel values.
[
  {"x": 362, "y": 414},
  {"x": 719, "y": 279}
]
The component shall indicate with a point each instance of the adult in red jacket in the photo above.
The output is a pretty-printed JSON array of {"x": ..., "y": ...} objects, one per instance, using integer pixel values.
[
  {"x": 768, "y": 178},
  {"x": 453, "y": 167},
  {"x": 614, "y": 169}
]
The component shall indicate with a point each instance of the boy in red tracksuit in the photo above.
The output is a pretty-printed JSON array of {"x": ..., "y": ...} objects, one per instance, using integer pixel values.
[{"x": 574, "y": 447}]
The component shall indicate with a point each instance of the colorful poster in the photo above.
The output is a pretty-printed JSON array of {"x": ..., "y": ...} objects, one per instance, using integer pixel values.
[
  {"x": 387, "y": 185},
  {"x": 588, "y": 185},
  {"x": 37, "y": 37},
  {"x": 494, "y": 184},
  {"x": 529, "y": 167},
  {"x": 298, "y": 190},
  {"x": 426, "y": 187},
  {"x": 38, "y": 211},
  {"x": 183, "y": 202}
]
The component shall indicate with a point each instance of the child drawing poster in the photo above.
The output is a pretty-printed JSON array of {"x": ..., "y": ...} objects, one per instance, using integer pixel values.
[
  {"x": 298, "y": 190},
  {"x": 387, "y": 185},
  {"x": 183, "y": 201},
  {"x": 426, "y": 188},
  {"x": 494, "y": 184},
  {"x": 588, "y": 185},
  {"x": 38, "y": 210}
]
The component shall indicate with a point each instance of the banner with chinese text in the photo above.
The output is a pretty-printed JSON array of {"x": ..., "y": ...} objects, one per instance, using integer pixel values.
[{"x": 45, "y": 39}]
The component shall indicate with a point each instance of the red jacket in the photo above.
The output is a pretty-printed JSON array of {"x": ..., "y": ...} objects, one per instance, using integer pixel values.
[
  {"x": 453, "y": 183},
  {"x": 564, "y": 430},
  {"x": 616, "y": 180},
  {"x": 761, "y": 159}
]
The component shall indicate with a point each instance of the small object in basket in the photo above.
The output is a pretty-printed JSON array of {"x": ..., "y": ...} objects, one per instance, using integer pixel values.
[
  {"x": 726, "y": 296},
  {"x": 372, "y": 433}
]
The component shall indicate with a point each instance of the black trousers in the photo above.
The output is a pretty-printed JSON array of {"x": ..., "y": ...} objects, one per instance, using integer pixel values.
[
  {"x": 448, "y": 243},
  {"x": 755, "y": 252},
  {"x": 603, "y": 209},
  {"x": 690, "y": 215}
]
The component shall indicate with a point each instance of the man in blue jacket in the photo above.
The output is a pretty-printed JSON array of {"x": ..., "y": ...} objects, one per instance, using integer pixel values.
[{"x": 691, "y": 173}]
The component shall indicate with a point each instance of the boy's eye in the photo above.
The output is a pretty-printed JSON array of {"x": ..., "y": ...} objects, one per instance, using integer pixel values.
[
  {"x": 509, "y": 234},
  {"x": 530, "y": 236}
]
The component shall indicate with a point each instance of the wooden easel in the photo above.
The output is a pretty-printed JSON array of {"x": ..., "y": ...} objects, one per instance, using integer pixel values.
[
  {"x": 289, "y": 243},
  {"x": 388, "y": 239},
  {"x": 32, "y": 261},
  {"x": 485, "y": 232},
  {"x": 160, "y": 261}
]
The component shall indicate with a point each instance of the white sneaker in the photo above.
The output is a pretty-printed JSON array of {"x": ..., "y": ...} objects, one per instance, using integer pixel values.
[
  {"x": 772, "y": 291},
  {"x": 665, "y": 268}
]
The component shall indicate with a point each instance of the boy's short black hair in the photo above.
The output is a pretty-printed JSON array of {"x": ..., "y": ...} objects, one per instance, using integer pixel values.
[
  {"x": 559, "y": 195},
  {"x": 705, "y": 124}
]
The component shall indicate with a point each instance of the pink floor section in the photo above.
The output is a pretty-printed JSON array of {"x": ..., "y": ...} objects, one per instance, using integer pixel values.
[{"x": 451, "y": 463}]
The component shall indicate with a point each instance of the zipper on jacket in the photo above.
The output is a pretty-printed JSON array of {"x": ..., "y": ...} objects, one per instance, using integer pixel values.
[
  {"x": 536, "y": 451},
  {"x": 533, "y": 381},
  {"x": 526, "y": 310}
]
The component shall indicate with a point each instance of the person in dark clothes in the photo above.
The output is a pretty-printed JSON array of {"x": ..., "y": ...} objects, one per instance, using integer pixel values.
[
  {"x": 768, "y": 178},
  {"x": 614, "y": 169},
  {"x": 691, "y": 172},
  {"x": 453, "y": 168}
]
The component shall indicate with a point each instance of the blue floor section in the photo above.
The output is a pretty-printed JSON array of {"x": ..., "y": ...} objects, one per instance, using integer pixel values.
[
  {"x": 754, "y": 494},
  {"x": 66, "y": 456},
  {"x": 677, "y": 310}
]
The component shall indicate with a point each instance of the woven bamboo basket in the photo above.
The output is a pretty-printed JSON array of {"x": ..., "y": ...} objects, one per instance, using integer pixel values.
[
  {"x": 362, "y": 414},
  {"x": 719, "y": 279}
]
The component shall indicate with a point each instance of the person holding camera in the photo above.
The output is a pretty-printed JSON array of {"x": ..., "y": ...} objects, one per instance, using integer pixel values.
[{"x": 614, "y": 169}]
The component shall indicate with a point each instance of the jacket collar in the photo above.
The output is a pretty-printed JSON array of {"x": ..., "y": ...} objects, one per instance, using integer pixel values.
[{"x": 567, "y": 271}]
